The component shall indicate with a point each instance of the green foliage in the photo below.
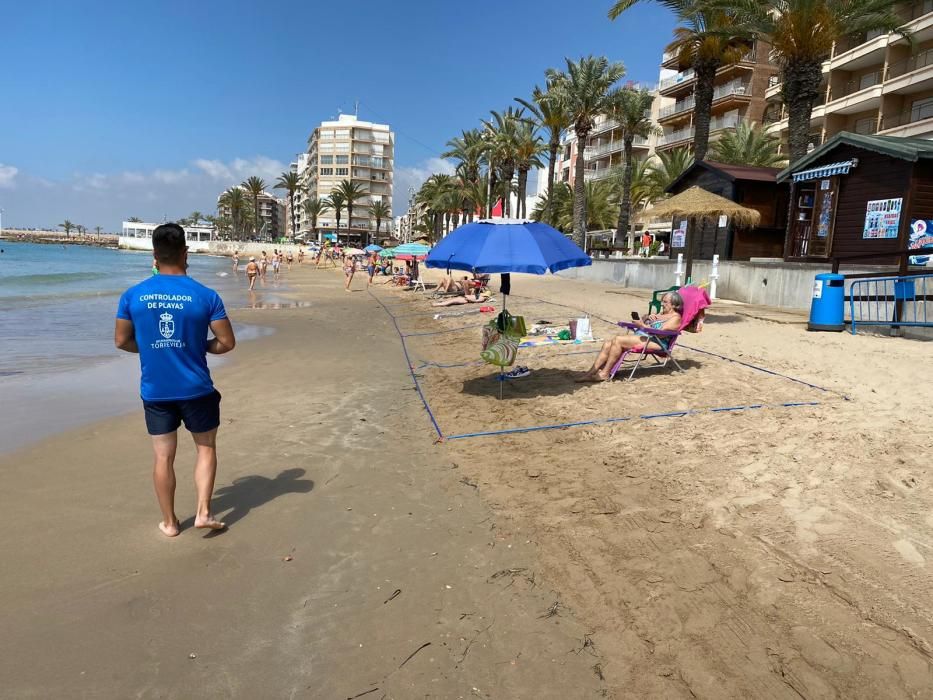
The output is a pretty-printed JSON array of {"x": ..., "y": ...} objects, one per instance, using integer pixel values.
[{"x": 748, "y": 144}]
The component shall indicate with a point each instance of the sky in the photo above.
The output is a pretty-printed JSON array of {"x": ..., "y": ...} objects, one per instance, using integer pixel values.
[{"x": 116, "y": 109}]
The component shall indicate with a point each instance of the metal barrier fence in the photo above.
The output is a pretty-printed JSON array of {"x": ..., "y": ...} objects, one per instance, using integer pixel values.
[{"x": 891, "y": 301}]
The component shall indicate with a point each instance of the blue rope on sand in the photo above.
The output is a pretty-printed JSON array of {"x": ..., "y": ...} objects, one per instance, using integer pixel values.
[
  {"x": 648, "y": 416},
  {"x": 414, "y": 377}
]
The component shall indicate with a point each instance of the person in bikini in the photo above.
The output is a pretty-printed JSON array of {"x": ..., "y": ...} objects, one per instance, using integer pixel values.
[
  {"x": 457, "y": 301},
  {"x": 672, "y": 306},
  {"x": 165, "y": 319},
  {"x": 289, "y": 259},
  {"x": 371, "y": 267},
  {"x": 236, "y": 260},
  {"x": 349, "y": 267},
  {"x": 252, "y": 272},
  {"x": 263, "y": 263}
]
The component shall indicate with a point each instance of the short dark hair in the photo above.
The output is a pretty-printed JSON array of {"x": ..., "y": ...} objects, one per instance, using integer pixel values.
[{"x": 168, "y": 243}]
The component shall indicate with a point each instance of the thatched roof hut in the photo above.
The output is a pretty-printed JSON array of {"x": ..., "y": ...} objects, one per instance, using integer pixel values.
[{"x": 697, "y": 203}]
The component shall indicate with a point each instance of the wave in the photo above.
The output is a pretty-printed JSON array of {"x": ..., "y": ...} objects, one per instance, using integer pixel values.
[
  {"x": 52, "y": 278},
  {"x": 22, "y": 300}
]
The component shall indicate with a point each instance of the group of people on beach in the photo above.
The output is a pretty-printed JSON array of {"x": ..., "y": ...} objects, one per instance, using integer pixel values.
[{"x": 256, "y": 270}]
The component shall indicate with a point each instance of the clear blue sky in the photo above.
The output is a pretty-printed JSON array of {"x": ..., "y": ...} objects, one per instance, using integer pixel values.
[{"x": 115, "y": 109}]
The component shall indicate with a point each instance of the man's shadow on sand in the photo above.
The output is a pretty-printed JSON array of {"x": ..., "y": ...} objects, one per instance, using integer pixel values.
[{"x": 249, "y": 492}]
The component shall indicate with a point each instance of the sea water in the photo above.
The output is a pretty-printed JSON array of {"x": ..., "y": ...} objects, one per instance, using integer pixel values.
[{"x": 58, "y": 365}]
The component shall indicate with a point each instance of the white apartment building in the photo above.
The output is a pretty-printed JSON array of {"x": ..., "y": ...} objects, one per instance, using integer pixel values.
[
  {"x": 360, "y": 151},
  {"x": 872, "y": 84},
  {"x": 298, "y": 167}
]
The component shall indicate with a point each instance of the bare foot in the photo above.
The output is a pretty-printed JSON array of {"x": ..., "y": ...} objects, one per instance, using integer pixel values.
[
  {"x": 590, "y": 376},
  {"x": 170, "y": 530},
  {"x": 208, "y": 522}
]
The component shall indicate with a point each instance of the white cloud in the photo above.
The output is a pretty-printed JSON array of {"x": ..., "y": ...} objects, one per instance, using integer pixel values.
[
  {"x": 107, "y": 199},
  {"x": 413, "y": 177},
  {"x": 7, "y": 174}
]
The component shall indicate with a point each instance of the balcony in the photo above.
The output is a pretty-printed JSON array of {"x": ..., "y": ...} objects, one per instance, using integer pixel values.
[
  {"x": 612, "y": 146},
  {"x": 591, "y": 174},
  {"x": 679, "y": 107},
  {"x": 677, "y": 81},
  {"x": 605, "y": 125},
  {"x": 676, "y": 137},
  {"x": 859, "y": 52},
  {"x": 670, "y": 59},
  {"x": 736, "y": 88},
  {"x": 913, "y": 122},
  {"x": 857, "y": 95},
  {"x": 911, "y": 75}
]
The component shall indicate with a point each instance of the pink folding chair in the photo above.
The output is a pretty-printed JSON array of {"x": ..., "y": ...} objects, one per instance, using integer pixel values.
[{"x": 696, "y": 300}]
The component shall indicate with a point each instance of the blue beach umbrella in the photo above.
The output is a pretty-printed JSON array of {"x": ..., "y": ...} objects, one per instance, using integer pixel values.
[
  {"x": 507, "y": 245},
  {"x": 414, "y": 249},
  {"x": 372, "y": 248}
]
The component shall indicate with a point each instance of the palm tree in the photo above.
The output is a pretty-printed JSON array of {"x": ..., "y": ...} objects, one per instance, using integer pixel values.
[
  {"x": 587, "y": 89},
  {"x": 550, "y": 115},
  {"x": 528, "y": 148},
  {"x": 336, "y": 203},
  {"x": 632, "y": 110},
  {"x": 234, "y": 200},
  {"x": 748, "y": 144},
  {"x": 97, "y": 229},
  {"x": 470, "y": 152},
  {"x": 194, "y": 218},
  {"x": 802, "y": 33},
  {"x": 313, "y": 208},
  {"x": 601, "y": 206},
  {"x": 290, "y": 182},
  {"x": 669, "y": 166},
  {"x": 255, "y": 186},
  {"x": 380, "y": 210},
  {"x": 351, "y": 192},
  {"x": 502, "y": 145},
  {"x": 67, "y": 225},
  {"x": 708, "y": 39}
]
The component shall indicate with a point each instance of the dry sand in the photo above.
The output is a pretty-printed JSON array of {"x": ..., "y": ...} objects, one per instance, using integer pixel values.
[
  {"x": 776, "y": 552},
  {"x": 773, "y": 552}
]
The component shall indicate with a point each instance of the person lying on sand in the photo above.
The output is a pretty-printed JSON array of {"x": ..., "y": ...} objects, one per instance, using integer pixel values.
[
  {"x": 457, "y": 301},
  {"x": 449, "y": 285},
  {"x": 672, "y": 305}
]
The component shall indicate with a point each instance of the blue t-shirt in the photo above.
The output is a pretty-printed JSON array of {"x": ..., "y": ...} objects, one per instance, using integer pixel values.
[{"x": 171, "y": 315}]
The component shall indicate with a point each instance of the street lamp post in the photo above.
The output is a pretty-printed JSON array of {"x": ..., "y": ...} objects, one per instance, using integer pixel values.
[{"x": 1, "y": 223}]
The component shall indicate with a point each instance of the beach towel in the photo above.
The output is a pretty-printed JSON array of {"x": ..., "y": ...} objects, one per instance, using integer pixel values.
[{"x": 695, "y": 300}]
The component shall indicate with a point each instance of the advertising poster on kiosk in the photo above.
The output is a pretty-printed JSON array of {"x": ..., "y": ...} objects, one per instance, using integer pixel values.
[
  {"x": 921, "y": 238},
  {"x": 882, "y": 218}
]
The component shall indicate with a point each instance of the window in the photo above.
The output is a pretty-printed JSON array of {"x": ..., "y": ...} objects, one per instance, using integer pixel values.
[
  {"x": 342, "y": 160},
  {"x": 342, "y": 147},
  {"x": 328, "y": 134},
  {"x": 343, "y": 133},
  {"x": 342, "y": 171},
  {"x": 327, "y": 160},
  {"x": 921, "y": 109},
  {"x": 327, "y": 171}
]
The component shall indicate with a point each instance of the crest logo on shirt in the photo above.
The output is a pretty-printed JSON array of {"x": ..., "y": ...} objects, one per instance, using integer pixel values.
[{"x": 166, "y": 325}]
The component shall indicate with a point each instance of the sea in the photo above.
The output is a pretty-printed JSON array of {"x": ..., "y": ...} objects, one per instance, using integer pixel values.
[{"x": 58, "y": 365}]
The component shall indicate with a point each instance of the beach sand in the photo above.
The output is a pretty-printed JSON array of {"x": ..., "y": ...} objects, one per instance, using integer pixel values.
[
  {"x": 778, "y": 551},
  {"x": 335, "y": 497}
]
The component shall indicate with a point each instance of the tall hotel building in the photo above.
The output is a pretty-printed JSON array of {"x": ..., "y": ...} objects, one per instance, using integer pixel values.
[
  {"x": 872, "y": 84},
  {"x": 349, "y": 149}
]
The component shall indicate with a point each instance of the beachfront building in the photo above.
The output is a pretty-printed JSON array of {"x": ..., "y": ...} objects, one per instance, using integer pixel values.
[
  {"x": 739, "y": 96},
  {"x": 272, "y": 223},
  {"x": 361, "y": 152},
  {"x": 298, "y": 166},
  {"x": 137, "y": 235},
  {"x": 874, "y": 83}
]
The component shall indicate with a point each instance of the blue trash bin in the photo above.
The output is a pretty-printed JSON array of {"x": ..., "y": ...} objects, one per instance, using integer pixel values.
[{"x": 827, "y": 310}]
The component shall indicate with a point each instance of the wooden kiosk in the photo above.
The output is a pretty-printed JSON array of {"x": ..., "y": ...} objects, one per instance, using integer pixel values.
[{"x": 858, "y": 195}]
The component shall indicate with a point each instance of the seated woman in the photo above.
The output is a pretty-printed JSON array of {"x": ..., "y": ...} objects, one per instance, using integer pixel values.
[
  {"x": 672, "y": 305},
  {"x": 456, "y": 301},
  {"x": 448, "y": 285}
]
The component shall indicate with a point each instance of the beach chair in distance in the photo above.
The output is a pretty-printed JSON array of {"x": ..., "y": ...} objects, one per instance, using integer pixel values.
[
  {"x": 696, "y": 300},
  {"x": 417, "y": 282}
]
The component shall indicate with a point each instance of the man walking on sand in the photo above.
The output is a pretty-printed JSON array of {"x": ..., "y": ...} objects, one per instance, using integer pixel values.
[{"x": 165, "y": 319}]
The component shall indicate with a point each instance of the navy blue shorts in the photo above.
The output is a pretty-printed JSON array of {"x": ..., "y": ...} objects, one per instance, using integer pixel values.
[{"x": 199, "y": 415}]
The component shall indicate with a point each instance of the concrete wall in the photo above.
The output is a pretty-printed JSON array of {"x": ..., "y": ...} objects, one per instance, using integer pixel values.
[
  {"x": 216, "y": 247},
  {"x": 788, "y": 285}
]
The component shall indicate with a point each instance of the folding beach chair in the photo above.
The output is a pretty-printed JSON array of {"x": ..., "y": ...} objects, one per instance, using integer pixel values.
[
  {"x": 417, "y": 282},
  {"x": 696, "y": 300}
]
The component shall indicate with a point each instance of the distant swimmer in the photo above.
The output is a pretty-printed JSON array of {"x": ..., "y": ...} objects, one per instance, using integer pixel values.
[
  {"x": 166, "y": 319},
  {"x": 301, "y": 256},
  {"x": 252, "y": 272},
  {"x": 236, "y": 260}
]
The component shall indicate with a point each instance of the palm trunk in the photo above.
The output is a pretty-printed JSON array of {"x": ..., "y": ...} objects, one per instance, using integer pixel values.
[
  {"x": 625, "y": 208},
  {"x": 801, "y": 88},
  {"x": 522, "y": 190},
  {"x": 507, "y": 195},
  {"x": 703, "y": 96},
  {"x": 553, "y": 147},
  {"x": 579, "y": 192},
  {"x": 256, "y": 214},
  {"x": 493, "y": 181}
]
